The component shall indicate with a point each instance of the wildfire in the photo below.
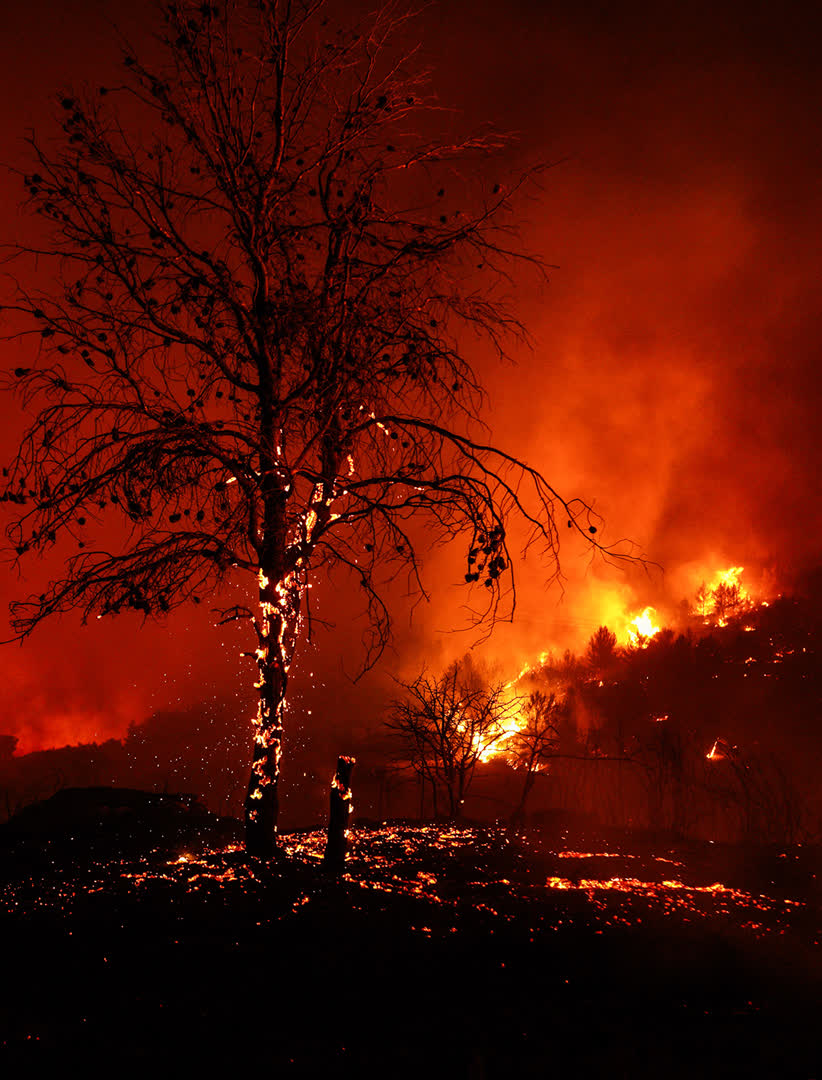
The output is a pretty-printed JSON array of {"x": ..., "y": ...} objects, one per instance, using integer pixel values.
[
  {"x": 719, "y": 599},
  {"x": 722, "y": 595},
  {"x": 642, "y": 627},
  {"x": 731, "y": 579}
]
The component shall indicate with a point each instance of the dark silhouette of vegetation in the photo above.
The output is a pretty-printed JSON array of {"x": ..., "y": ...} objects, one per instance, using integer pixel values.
[
  {"x": 444, "y": 727},
  {"x": 601, "y": 651},
  {"x": 340, "y": 808},
  {"x": 705, "y": 733},
  {"x": 535, "y": 742},
  {"x": 260, "y": 269},
  {"x": 712, "y": 736}
]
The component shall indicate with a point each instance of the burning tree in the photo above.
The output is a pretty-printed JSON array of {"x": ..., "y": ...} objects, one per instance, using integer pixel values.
[
  {"x": 727, "y": 599},
  {"x": 250, "y": 345},
  {"x": 447, "y": 725}
]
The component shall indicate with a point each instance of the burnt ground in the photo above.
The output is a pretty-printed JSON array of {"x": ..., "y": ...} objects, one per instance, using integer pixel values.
[{"x": 465, "y": 952}]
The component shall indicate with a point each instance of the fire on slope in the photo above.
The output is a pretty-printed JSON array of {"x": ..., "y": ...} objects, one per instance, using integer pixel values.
[
  {"x": 641, "y": 628},
  {"x": 720, "y": 597}
]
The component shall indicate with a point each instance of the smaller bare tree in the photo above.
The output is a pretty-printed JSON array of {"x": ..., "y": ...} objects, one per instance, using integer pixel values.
[
  {"x": 533, "y": 744},
  {"x": 447, "y": 725}
]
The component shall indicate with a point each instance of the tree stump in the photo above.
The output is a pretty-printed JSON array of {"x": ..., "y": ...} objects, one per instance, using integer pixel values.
[{"x": 340, "y": 808}]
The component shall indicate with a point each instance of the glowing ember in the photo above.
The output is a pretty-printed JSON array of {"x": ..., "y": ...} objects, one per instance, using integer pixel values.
[{"x": 501, "y": 879}]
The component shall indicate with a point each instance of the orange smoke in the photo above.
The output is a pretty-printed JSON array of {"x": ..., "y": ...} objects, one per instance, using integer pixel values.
[{"x": 56, "y": 730}]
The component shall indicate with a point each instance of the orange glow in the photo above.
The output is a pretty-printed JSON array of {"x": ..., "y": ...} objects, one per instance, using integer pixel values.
[
  {"x": 731, "y": 578},
  {"x": 715, "y": 753},
  {"x": 56, "y": 730},
  {"x": 642, "y": 627}
]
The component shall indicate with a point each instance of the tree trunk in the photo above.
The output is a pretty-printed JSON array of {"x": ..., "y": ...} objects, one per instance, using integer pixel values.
[
  {"x": 340, "y": 807},
  {"x": 262, "y": 803},
  {"x": 518, "y": 816},
  {"x": 276, "y": 634}
]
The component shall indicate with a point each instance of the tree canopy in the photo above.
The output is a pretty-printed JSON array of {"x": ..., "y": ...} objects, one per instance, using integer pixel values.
[{"x": 250, "y": 307}]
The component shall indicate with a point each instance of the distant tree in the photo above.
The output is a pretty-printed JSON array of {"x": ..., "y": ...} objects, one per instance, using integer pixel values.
[
  {"x": 701, "y": 598},
  {"x": 769, "y": 803},
  {"x": 571, "y": 668},
  {"x": 535, "y": 741},
  {"x": 259, "y": 283},
  {"x": 445, "y": 726},
  {"x": 601, "y": 651},
  {"x": 726, "y": 599}
]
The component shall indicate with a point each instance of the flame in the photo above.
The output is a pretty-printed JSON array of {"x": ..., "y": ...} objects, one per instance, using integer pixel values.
[
  {"x": 642, "y": 627},
  {"x": 635, "y": 629},
  {"x": 715, "y": 753},
  {"x": 737, "y": 598},
  {"x": 730, "y": 577}
]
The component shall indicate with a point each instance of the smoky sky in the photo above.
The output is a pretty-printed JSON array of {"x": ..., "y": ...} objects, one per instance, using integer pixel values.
[{"x": 672, "y": 377}]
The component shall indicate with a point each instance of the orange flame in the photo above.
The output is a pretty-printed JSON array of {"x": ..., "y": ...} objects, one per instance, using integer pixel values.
[{"x": 642, "y": 627}]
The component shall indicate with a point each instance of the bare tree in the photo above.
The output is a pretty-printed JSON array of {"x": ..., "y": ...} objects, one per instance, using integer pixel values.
[
  {"x": 446, "y": 725},
  {"x": 535, "y": 741},
  {"x": 260, "y": 276}
]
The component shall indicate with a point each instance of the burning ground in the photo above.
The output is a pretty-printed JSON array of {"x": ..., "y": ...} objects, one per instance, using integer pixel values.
[{"x": 464, "y": 950}]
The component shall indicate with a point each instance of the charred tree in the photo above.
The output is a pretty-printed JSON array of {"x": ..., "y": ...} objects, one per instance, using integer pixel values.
[
  {"x": 340, "y": 807},
  {"x": 259, "y": 270}
]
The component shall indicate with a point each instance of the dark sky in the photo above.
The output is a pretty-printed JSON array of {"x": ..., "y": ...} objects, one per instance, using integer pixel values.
[{"x": 674, "y": 379}]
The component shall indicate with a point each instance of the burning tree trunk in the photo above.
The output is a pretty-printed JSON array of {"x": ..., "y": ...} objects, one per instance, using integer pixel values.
[
  {"x": 340, "y": 808},
  {"x": 277, "y": 627}
]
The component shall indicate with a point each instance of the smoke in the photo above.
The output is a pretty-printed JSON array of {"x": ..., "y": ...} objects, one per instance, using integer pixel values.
[{"x": 673, "y": 380}]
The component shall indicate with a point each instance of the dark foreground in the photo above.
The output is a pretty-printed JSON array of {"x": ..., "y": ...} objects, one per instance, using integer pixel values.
[{"x": 445, "y": 951}]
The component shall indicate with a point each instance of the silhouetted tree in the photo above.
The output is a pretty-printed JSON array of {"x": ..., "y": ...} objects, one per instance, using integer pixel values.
[
  {"x": 535, "y": 741},
  {"x": 446, "y": 725},
  {"x": 726, "y": 600},
  {"x": 341, "y": 805},
  {"x": 250, "y": 345},
  {"x": 601, "y": 651},
  {"x": 701, "y": 598}
]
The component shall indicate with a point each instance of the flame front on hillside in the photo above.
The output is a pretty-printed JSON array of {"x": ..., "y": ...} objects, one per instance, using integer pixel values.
[
  {"x": 719, "y": 598},
  {"x": 642, "y": 627}
]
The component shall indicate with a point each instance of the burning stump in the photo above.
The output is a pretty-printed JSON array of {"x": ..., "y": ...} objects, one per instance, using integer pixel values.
[{"x": 340, "y": 807}]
